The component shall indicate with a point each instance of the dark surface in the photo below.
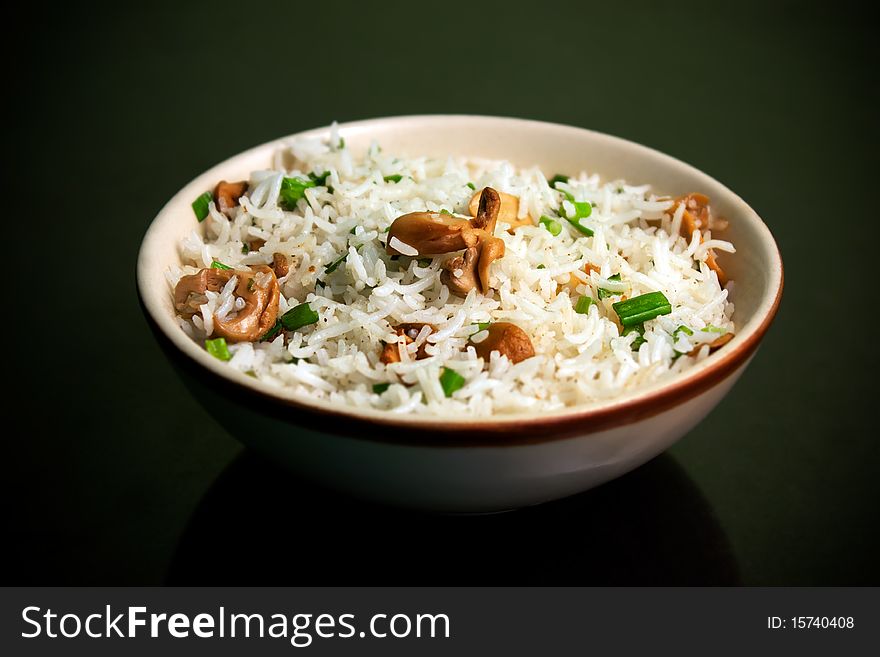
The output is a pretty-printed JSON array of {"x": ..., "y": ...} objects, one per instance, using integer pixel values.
[{"x": 119, "y": 477}]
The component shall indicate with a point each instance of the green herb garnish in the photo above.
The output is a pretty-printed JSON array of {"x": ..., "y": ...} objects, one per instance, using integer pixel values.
[
  {"x": 640, "y": 338},
  {"x": 558, "y": 178},
  {"x": 200, "y": 205},
  {"x": 681, "y": 329},
  {"x": 642, "y": 308},
  {"x": 320, "y": 180},
  {"x": 219, "y": 265},
  {"x": 541, "y": 267},
  {"x": 273, "y": 332},
  {"x": 713, "y": 329},
  {"x": 472, "y": 186},
  {"x": 292, "y": 190},
  {"x": 604, "y": 293},
  {"x": 445, "y": 211},
  {"x": 582, "y": 307},
  {"x": 451, "y": 381},
  {"x": 329, "y": 269},
  {"x": 299, "y": 316},
  {"x": 218, "y": 349},
  {"x": 553, "y": 226},
  {"x": 379, "y": 388},
  {"x": 395, "y": 178}
]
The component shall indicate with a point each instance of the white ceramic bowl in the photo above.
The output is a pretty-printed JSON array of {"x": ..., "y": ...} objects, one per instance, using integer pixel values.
[{"x": 457, "y": 463}]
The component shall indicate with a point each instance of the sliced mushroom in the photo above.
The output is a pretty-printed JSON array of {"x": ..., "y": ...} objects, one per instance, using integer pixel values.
[
  {"x": 718, "y": 342},
  {"x": 488, "y": 207},
  {"x": 258, "y": 288},
  {"x": 491, "y": 249},
  {"x": 460, "y": 273},
  {"x": 507, "y": 339},
  {"x": 697, "y": 216},
  {"x": 410, "y": 331},
  {"x": 226, "y": 195},
  {"x": 280, "y": 265},
  {"x": 508, "y": 212},
  {"x": 431, "y": 233}
]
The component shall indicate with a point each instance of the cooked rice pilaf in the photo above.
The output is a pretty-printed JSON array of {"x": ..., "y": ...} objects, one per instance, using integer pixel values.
[{"x": 301, "y": 279}]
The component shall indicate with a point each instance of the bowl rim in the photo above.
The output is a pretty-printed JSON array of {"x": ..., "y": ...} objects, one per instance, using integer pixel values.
[{"x": 496, "y": 430}]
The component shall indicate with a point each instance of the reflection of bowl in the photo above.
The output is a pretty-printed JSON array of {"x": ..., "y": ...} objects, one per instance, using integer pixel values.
[
  {"x": 460, "y": 463},
  {"x": 649, "y": 527}
]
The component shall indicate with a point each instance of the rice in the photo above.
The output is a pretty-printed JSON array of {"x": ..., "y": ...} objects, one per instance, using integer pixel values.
[{"x": 580, "y": 358}]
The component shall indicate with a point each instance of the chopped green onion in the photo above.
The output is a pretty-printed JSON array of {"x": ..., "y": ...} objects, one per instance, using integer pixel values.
[
  {"x": 576, "y": 222},
  {"x": 219, "y": 265},
  {"x": 540, "y": 267},
  {"x": 320, "y": 180},
  {"x": 640, "y": 338},
  {"x": 379, "y": 388},
  {"x": 299, "y": 316},
  {"x": 713, "y": 329},
  {"x": 425, "y": 262},
  {"x": 681, "y": 329},
  {"x": 396, "y": 178},
  {"x": 582, "y": 307},
  {"x": 352, "y": 231},
  {"x": 451, "y": 381},
  {"x": 642, "y": 308},
  {"x": 292, "y": 190},
  {"x": 273, "y": 332},
  {"x": 553, "y": 226},
  {"x": 245, "y": 248},
  {"x": 472, "y": 186},
  {"x": 444, "y": 211},
  {"x": 250, "y": 284},
  {"x": 218, "y": 349},
  {"x": 200, "y": 205},
  {"x": 482, "y": 326},
  {"x": 341, "y": 143},
  {"x": 619, "y": 190},
  {"x": 558, "y": 178},
  {"x": 582, "y": 210},
  {"x": 329, "y": 269},
  {"x": 604, "y": 293}
]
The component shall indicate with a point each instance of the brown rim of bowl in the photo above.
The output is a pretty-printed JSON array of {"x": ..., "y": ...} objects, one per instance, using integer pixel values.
[
  {"x": 501, "y": 430},
  {"x": 480, "y": 432}
]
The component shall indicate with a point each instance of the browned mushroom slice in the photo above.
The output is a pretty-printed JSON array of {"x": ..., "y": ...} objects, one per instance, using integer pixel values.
[
  {"x": 460, "y": 273},
  {"x": 280, "y": 265},
  {"x": 508, "y": 212},
  {"x": 189, "y": 293},
  {"x": 717, "y": 343},
  {"x": 258, "y": 289},
  {"x": 431, "y": 233},
  {"x": 697, "y": 216},
  {"x": 507, "y": 339},
  {"x": 409, "y": 332},
  {"x": 226, "y": 195},
  {"x": 488, "y": 207},
  {"x": 491, "y": 249}
]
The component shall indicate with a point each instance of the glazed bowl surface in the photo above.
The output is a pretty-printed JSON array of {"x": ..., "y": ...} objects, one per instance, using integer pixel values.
[{"x": 463, "y": 464}]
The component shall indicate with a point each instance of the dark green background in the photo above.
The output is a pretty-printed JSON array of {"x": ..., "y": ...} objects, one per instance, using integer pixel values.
[{"x": 119, "y": 477}]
